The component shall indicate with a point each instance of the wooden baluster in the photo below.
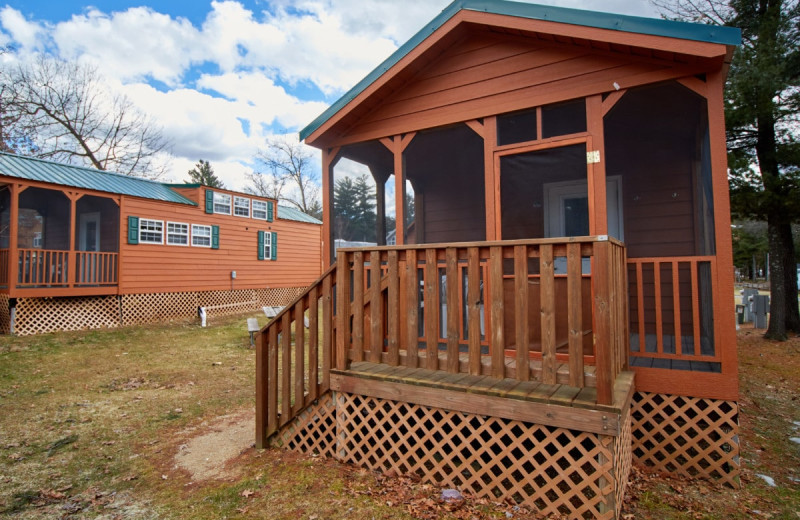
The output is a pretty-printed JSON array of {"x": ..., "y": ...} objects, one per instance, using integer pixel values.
[
  {"x": 393, "y": 311},
  {"x": 521, "y": 312},
  {"x": 272, "y": 379},
  {"x": 261, "y": 392},
  {"x": 497, "y": 345},
  {"x": 694, "y": 266},
  {"x": 412, "y": 309},
  {"x": 431, "y": 310},
  {"x": 547, "y": 287},
  {"x": 474, "y": 309},
  {"x": 299, "y": 356},
  {"x": 453, "y": 308},
  {"x": 376, "y": 308},
  {"x": 358, "y": 306},
  {"x": 286, "y": 367},
  {"x": 659, "y": 315},
  {"x": 676, "y": 307},
  {"x": 575, "y": 316}
]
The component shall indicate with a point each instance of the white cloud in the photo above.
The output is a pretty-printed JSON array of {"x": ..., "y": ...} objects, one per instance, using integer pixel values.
[
  {"x": 29, "y": 35},
  {"x": 131, "y": 44}
]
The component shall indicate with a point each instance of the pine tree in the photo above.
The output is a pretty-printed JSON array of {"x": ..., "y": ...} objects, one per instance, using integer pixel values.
[{"x": 203, "y": 173}]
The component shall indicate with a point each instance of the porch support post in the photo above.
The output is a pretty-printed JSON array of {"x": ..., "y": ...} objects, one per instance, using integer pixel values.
[
  {"x": 13, "y": 239},
  {"x": 596, "y": 175},
  {"x": 397, "y": 145},
  {"x": 491, "y": 175},
  {"x": 724, "y": 327},
  {"x": 380, "y": 207},
  {"x": 601, "y": 291},
  {"x": 72, "y": 264},
  {"x": 329, "y": 158}
]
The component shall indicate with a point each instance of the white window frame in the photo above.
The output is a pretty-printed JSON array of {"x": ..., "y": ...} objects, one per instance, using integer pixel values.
[
  {"x": 196, "y": 227},
  {"x": 144, "y": 227},
  {"x": 266, "y": 209},
  {"x": 267, "y": 245},
  {"x": 236, "y": 206},
  {"x": 220, "y": 202},
  {"x": 170, "y": 234}
]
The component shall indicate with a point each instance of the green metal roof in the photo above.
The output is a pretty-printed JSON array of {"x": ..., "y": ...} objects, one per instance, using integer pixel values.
[
  {"x": 614, "y": 22},
  {"x": 88, "y": 178},
  {"x": 287, "y": 213}
]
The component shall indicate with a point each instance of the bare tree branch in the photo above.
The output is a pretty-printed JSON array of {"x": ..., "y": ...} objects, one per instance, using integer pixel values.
[{"x": 65, "y": 112}]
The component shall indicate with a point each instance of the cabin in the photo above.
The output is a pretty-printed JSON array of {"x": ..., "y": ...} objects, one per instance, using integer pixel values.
[
  {"x": 83, "y": 248},
  {"x": 557, "y": 302}
]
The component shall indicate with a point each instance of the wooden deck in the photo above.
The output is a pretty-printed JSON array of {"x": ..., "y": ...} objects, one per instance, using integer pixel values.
[{"x": 558, "y": 405}]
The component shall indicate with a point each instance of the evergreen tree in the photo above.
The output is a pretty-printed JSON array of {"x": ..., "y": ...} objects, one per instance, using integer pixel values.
[
  {"x": 354, "y": 209},
  {"x": 203, "y": 173}
]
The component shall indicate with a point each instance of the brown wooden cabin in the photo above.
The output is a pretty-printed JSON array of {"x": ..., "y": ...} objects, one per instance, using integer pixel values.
[
  {"x": 86, "y": 248},
  {"x": 562, "y": 270}
]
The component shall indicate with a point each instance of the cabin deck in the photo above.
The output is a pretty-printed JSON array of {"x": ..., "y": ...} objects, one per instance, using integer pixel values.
[{"x": 558, "y": 405}]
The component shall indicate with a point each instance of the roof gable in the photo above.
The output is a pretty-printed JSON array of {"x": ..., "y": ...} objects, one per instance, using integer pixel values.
[
  {"x": 33, "y": 169},
  {"x": 560, "y": 22}
]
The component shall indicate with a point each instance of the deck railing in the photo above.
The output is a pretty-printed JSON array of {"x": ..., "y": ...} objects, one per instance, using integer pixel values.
[
  {"x": 552, "y": 306},
  {"x": 95, "y": 268},
  {"x": 51, "y": 268},
  {"x": 43, "y": 267}
]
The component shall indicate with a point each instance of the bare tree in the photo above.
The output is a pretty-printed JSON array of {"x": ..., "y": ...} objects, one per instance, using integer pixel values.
[
  {"x": 287, "y": 175},
  {"x": 64, "y": 111}
]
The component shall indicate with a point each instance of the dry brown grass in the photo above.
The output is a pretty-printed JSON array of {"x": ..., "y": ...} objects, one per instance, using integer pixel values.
[{"x": 91, "y": 422}]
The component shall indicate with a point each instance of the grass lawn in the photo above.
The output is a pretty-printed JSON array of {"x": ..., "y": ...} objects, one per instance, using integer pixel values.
[{"x": 156, "y": 422}]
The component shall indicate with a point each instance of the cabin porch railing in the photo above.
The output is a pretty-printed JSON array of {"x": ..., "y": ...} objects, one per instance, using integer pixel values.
[
  {"x": 45, "y": 268},
  {"x": 553, "y": 306}
]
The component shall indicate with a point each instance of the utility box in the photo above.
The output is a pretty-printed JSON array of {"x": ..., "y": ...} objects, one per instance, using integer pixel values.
[
  {"x": 747, "y": 301},
  {"x": 760, "y": 309}
]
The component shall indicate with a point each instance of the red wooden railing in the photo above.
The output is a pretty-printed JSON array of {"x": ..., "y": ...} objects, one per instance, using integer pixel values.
[
  {"x": 43, "y": 267},
  {"x": 671, "y": 308},
  {"x": 94, "y": 268},
  {"x": 472, "y": 304}
]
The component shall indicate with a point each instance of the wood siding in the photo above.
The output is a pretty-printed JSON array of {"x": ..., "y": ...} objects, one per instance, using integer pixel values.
[
  {"x": 166, "y": 268},
  {"x": 489, "y": 74}
]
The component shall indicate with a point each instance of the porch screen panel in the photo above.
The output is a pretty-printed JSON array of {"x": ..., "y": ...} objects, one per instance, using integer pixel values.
[{"x": 657, "y": 141}]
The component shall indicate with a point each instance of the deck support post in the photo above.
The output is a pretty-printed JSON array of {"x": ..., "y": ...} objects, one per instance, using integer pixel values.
[{"x": 602, "y": 321}]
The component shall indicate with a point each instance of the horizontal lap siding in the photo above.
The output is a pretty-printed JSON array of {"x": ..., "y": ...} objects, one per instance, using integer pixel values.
[
  {"x": 167, "y": 268},
  {"x": 498, "y": 75}
]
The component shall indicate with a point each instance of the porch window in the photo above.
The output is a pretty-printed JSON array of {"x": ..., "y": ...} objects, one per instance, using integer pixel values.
[
  {"x": 151, "y": 231},
  {"x": 201, "y": 235},
  {"x": 517, "y": 127},
  {"x": 177, "y": 234},
  {"x": 222, "y": 203},
  {"x": 241, "y": 207},
  {"x": 564, "y": 118}
]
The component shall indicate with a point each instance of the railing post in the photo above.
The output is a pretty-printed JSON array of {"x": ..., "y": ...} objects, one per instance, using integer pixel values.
[
  {"x": 342, "y": 310},
  {"x": 497, "y": 345},
  {"x": 261, "y": 391},
  {"x": 601, "y": 288}
]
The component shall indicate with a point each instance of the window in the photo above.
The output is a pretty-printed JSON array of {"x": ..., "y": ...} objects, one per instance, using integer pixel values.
[
  {"x": 201, "y": 235},
  {"x": 222, "y": 203},
  {"x": 268, "y": 246},
  {"x": 260, "y": 209},
  {"x": 151, "y": 231},
  {"x": 241, "y": 207},
  {"x": 177, "y": 234}
]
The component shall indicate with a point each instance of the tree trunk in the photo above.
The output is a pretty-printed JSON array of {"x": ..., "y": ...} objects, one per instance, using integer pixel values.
[
  {"x": 777, "y": 286},
  {"x": 792, "y": 318}
]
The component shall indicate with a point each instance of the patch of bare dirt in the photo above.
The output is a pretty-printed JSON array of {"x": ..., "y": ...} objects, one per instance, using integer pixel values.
[{"x": 211, "y": 445}]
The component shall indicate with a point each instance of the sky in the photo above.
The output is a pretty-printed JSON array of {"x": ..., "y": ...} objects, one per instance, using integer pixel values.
[{"x": 222, "y": 77}]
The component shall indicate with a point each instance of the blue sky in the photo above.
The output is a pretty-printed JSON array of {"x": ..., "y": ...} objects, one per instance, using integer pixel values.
[{"x": 221, "y": 77}]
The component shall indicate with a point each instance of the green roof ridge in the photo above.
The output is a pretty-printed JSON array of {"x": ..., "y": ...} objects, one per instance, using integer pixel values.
[{"x": 599, "y": 20}]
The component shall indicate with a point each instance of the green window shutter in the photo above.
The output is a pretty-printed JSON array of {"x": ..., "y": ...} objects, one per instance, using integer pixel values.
[
  {"x": 214, "y": 237},
  {"x": 133, "y": 230},
  {"x": 274, "y": 246},
  {"x": 209, "y": 201},
  {"x": 261, "y": 245},
  {"x": 270, "y": 212}
]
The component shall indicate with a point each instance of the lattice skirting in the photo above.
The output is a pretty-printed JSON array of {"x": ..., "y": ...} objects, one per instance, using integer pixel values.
[
  {"x": 687, "y": 435},
  {"x": 43, "y": 315},
  {"x": 558, "y": 471}
]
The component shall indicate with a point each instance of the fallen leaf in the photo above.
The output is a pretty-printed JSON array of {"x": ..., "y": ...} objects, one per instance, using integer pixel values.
[{"x": 247, "y": 493}]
